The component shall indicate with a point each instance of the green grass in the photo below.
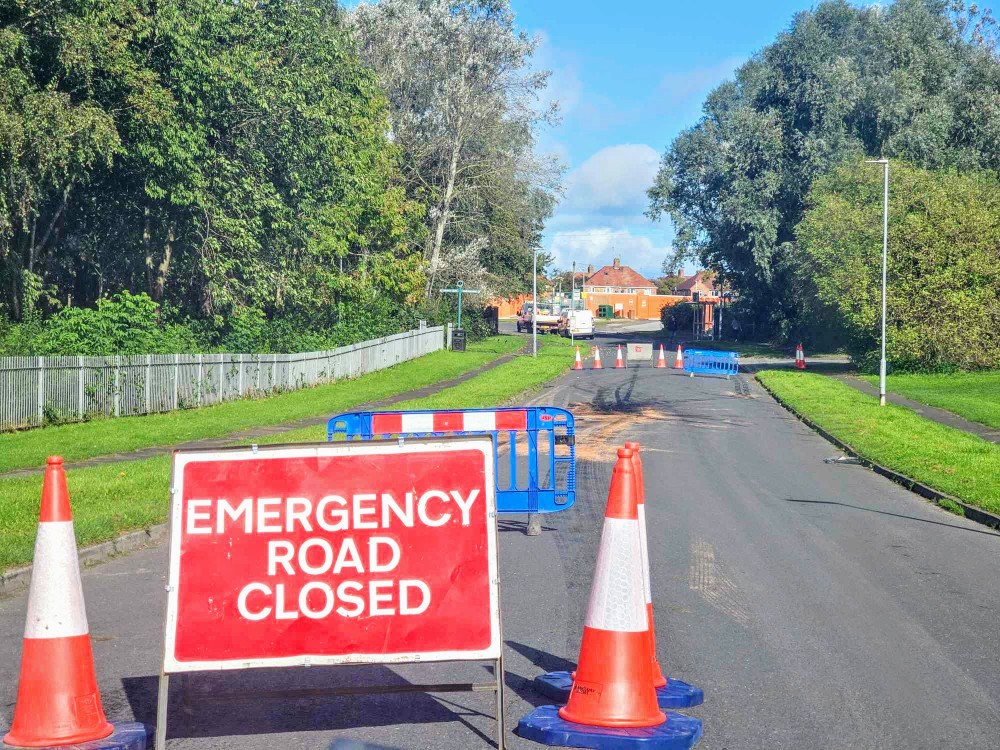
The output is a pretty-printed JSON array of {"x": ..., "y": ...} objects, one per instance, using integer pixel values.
[
  {"x": 975, "y": 396},
  {"x": 75, "y": 442},
  {"x": 112, "y": 499},
  {"x": 949, "y": 460}
]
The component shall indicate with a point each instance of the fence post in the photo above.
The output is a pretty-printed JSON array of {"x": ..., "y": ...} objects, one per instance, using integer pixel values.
[
  {"x": 79, "y": 393},
  {"x": 239, "y": 385},
  {"x": 288, "y": 372},
  {"x": 177, "y": 358},
  {"x": 41, "y": 389},
  {"x": 258, "y": 372},
  {"x": 448, "y": 345},
  {"x": 222, "y": 375},
  {"x": 200, "y": 376},
  {"x": 117, "y": 393},
  {"x": 149, "y": 380}
]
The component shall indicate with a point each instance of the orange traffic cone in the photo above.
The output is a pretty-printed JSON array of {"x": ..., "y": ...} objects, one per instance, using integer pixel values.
[
  {"x": 662, "y": 361},
  {"x": 578, "y": 365},
  {"x": 658, "y": 679},
  {"x": 57, "y": 698},
  {"x": 613, "y": 685},
  {"x": 679, "y": 361},
  {"x": 597, "y": 358},
  {"x": 619, "y": 362},
  {"x": 800, "y": 358}
]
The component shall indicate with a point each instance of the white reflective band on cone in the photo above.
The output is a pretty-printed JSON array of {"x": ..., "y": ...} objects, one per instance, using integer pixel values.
[
  {"x": 55, "y": 604},
  {"x": 644, "y": 546},
  {"x": 616, "y": 597}
]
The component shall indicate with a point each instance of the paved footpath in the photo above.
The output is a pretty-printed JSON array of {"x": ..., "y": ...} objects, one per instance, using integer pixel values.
[
  {"x": 260, "y": 432},
  {"x": 819, "y": 606}
]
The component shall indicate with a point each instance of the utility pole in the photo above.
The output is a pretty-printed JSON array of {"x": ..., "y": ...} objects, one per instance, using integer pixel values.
[{"x": 885, "y": 254}]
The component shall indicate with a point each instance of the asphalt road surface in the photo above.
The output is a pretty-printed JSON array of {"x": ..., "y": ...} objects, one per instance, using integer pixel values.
[{"x": 818, "y": 606}]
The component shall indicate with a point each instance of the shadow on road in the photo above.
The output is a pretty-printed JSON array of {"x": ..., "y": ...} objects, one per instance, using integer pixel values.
[
  {"x": 250, "y": 702},
  {"x": 546, "y": 662},
  {"x": 888, "y": 513}
]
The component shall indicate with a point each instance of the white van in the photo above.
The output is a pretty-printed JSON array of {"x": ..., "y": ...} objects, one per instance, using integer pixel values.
[{"x": 578, "y": 322}]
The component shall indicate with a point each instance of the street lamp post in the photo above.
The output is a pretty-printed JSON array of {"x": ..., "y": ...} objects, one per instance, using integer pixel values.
[
  {"x": 534, "y": 304},
  {"x": 885, "y": 253}
]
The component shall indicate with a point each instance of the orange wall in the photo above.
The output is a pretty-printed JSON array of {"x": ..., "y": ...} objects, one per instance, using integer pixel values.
[
  {"x": 634, "y": 306},
  {"x": 510, "y": 307}
]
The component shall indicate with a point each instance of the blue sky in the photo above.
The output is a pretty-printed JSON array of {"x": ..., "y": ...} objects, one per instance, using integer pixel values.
[{"x": 629, "y": 77}]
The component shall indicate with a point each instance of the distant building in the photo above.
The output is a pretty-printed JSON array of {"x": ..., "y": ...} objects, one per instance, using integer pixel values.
[
  {"x": 697, "y": 283},
  {"x": 617, "y": 279}
]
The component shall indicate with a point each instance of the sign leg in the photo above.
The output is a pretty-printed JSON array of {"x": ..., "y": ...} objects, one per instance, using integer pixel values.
[
  {"x": 500, "y": 682},
  {"x": 161, "y": 712}
]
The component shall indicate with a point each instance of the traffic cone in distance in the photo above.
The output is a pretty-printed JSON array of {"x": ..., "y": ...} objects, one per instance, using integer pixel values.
[
  {"x": 662, "y": 361},
  {"x": 578, "y": 365},
  {"x": 679, "y": 361},
  {"x": 658, "y": 679},
  {"x": 57, "y": 698},
  {"x": 800, "y": 358},
  {"x": 613, "y": 686},
  {"x": 597, "y": 358},
  {"x": 619, "y": 362}
]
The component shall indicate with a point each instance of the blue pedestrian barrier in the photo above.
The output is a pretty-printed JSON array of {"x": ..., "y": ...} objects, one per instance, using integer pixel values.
[
  {"x": 711, "y": 362},
  {"x": 544, "y": 483}
]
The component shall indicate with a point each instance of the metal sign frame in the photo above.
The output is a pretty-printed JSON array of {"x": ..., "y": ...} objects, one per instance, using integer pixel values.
[
  {"x": 493, "y": 653},
  {"x": 558, "y": 423}
]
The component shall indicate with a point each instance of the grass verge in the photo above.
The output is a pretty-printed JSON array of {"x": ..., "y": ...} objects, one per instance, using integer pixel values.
[
  {"x": 974, "y": 396},
  {"x": 946, "y": 459},
  {"x": 113, "y": 499},
  {"x": 75, "y": 442}
]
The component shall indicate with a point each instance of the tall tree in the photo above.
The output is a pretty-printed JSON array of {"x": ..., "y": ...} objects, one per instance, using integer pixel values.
[
  {"x": 463, "y": 98},
  {"x": 917, "y": 80}
]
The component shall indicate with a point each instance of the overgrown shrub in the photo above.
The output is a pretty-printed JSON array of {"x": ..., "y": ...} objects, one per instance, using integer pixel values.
[
  {"x": 943, "y": 267},
  {"x": 681, "y": 313}
]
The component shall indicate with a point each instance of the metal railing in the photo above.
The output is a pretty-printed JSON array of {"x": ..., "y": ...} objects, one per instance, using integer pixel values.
[{"x": 33, "y": 388}]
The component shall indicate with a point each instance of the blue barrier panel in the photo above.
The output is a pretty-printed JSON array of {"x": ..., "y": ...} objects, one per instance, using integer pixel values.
[
  {"x": 711, "y": 363},
  {"x": 550, "y": 481}
]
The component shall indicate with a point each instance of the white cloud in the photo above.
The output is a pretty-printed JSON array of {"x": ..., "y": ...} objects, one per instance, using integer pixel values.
[
  {"x": 600, "y": 245},
  {"x": 612, "y": 182}
]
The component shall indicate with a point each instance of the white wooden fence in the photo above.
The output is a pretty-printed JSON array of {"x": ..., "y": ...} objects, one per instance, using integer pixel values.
[{"x": 76, "y": 387}]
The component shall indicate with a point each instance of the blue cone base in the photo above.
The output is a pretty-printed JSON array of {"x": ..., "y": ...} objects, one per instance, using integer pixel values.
[
  {"x": 675, "y": 694},
  {"x": 544, "y": 725},
  {"x": 128, "y": 735}
]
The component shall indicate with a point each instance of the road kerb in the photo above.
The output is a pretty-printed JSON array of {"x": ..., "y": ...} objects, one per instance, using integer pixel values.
[
  {"x": 17, "y": 580},
  {"x": 928, "y": 493}
]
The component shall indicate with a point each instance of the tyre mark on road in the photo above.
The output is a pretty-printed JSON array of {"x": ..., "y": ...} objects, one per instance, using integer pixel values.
[{"x": 707, "y": 577}]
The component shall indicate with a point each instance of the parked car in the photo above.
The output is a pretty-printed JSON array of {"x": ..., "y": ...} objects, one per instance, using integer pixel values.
[
  {"x": 578, "y": 322},
  {"x": 546, "y": 319}
]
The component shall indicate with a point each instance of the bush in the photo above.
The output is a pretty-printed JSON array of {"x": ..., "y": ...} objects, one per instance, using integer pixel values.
[
  {"x": 943, "y": 270},
  {"x": 681, "y": 313}
]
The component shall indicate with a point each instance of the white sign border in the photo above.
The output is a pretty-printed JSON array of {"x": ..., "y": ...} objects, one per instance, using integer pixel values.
[{"x": 181, "y": 458}]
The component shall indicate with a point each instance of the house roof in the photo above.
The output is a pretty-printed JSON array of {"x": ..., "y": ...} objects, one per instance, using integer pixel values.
[
  {"x": 699, "y": 281},
  {"x": 620, "y": 276}
]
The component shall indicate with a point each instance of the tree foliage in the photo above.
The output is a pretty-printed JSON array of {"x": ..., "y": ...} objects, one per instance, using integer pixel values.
[
  {"x": 916, "y": 80},
  {"x": 464, "y": 110},
  {"x": 218, "y": 157},
  {"x": 943, "y": 270}
]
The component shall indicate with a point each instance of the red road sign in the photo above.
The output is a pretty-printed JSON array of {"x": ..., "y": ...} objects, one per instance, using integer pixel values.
[{"x": 333, "y": 553}]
